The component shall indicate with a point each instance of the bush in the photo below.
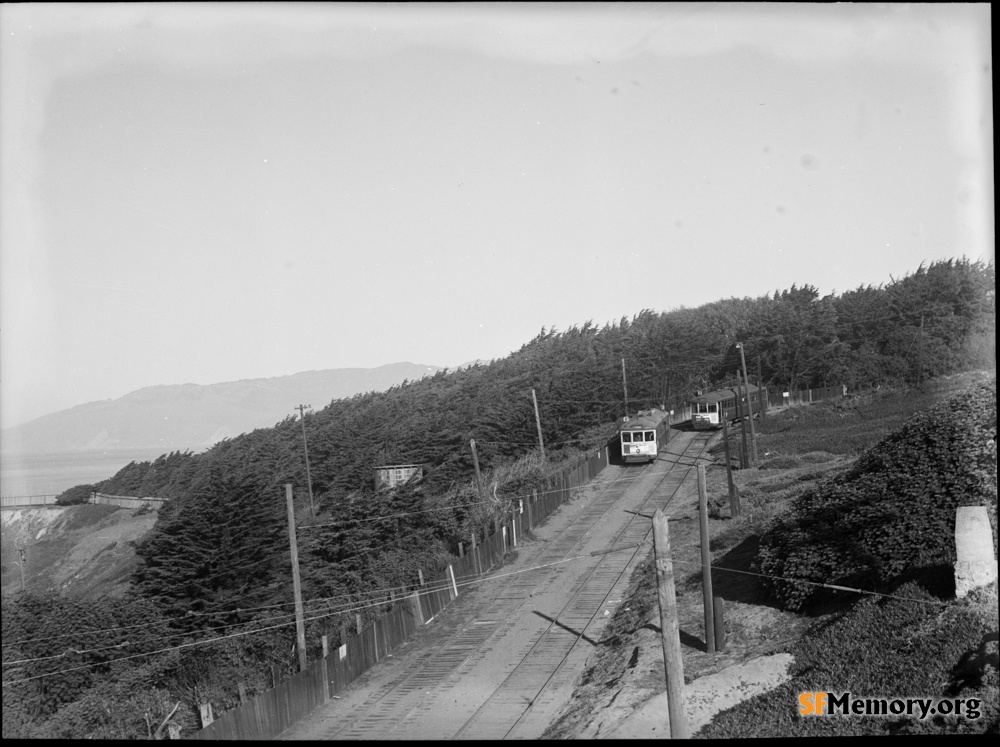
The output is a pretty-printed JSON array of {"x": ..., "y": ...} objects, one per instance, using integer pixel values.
[
  {"x": 75, "y": 495},
  {"x": 911, "y": 645},
  {"x": 894, "y": 510}
]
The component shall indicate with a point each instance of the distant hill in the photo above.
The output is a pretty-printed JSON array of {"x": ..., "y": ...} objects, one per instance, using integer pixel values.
[{"x": 194, "y": 416}]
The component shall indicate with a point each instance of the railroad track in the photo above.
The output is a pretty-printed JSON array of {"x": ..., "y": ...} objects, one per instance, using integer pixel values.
[{"x": 507, "y": 659}]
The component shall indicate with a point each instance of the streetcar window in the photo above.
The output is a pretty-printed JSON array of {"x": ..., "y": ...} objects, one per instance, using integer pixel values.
[
  {"x": 626, "y": 437},
  {"x": 712, "y": 408},
  {"x": 650, "y": 435}
]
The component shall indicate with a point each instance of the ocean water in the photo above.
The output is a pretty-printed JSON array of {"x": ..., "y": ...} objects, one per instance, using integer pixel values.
[{"x": 50, "y": 474}]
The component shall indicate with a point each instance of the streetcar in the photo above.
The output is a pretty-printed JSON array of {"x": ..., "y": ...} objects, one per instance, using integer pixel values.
[
  {"x": 707, "y": 409},
  {"x": 643, "y": 435}
]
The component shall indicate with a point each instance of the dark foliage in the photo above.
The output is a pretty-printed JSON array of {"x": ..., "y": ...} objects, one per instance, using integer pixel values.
[
  {"x": 76, "y": 494},
  {"x": 894, "y": 510}
]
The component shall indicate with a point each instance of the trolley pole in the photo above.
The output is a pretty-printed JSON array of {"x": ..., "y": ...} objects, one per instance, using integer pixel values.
[
  {"x": 305, "y": 444},
  {"x": 538, "y": 423},
  {"x": 300, "y": 625}
]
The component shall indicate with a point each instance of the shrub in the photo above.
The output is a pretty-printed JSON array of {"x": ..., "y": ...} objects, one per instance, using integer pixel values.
[
  {"x": 894, "y": 510},
  {"x": 75, "y": 495}
]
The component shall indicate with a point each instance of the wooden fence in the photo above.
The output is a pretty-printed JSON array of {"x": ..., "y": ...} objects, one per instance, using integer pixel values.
[
  {"x": 27, "y": 501},
  {"x": 272, "y": 712},
  {"x": 125, "y": 501}
]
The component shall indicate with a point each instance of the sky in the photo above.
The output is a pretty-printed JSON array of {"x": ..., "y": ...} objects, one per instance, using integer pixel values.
[{"x": 200, "y": 193}]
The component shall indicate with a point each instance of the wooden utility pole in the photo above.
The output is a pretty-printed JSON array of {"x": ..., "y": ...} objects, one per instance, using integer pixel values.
[
  {"x": 475, "y": 463},
  {"x": 734, "y": 501},
  {"x": 300, "y": 625},
  {"x": 538, "y": 422},
  {"x": 743, "y": 421},
  {"x": 753, "y": 433},
  {"x": 746, "y": 378},
  {"x": 764, "y": 403},
  {"x": 920, "y": 353},
  {"x": 670, "y": 631},
  {"x": 305, "y": 444},
  {"x": 706, "y": 561},
  {"x": 625, "y": 386}
]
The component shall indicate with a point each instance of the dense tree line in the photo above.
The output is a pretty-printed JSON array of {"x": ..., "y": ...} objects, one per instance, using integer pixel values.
[{"x": 217, "y": 561}]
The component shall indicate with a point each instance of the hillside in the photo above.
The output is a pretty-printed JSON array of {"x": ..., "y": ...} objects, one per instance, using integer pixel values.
[
  {"x": 84, "y": 551},
  {"x": 875, "y": 645},
  {"x": 216, "y": 561},
  {"x": 193, "y": 416}
]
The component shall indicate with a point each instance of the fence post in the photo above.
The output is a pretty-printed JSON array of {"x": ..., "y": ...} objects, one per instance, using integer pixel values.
[
  {"x": 720, "y": 624},
  {"x": 207, "y": 716},
  {"x": 415, "y": 600}
]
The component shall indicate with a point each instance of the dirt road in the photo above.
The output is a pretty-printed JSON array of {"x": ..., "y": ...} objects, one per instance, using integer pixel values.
[{"x": 501, "y": 660}]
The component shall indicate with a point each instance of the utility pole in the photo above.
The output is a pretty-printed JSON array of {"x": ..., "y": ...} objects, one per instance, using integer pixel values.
[
  {"x": 21, "y": 552},
  {"x": 538, "y": 422},
  {"x": 670, "y": 632},
  {"x": 706, "y": 561},
  {"x": 920, "y": 353},
  {"x": 300, "y": 624},
  {"x": 746, "y": 377},
  {"x": 744, "y": 458},
  {"x": 305, "y": 443},
  {"x": 475, "y": 462},
  {"x": 764, "y": 403},
  {"x": 734, "y": 504},
  {"x": 625, "y": 386}
]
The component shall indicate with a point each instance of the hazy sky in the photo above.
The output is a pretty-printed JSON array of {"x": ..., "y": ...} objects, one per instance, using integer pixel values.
[{"x": 205, "y": 193}]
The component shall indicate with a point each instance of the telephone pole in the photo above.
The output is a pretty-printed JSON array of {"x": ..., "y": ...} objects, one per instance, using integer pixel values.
[
  {"x": 305, "y": 443},
  {"x": 300, "y": 625},
  {"x": 538, "y": 422},
  {"x": 625, "y": 386},
  {"x": 746, "y": 377},
  {"x": 920, "y": 353}
]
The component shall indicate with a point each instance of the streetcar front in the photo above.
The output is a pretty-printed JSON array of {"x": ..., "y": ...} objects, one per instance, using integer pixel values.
[
  {"x": 704, "y": 414},
  {"x": 639, "y": 444}
]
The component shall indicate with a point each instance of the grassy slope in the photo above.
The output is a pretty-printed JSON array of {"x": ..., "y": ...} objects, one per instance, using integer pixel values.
[{"x": 797, "y": 448}]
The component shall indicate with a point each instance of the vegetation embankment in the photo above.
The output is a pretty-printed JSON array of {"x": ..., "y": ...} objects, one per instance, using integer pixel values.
[
  {"x": 887, "y": 524},
  {"x": 214, "y": 573},
  {"x": 875, "y": 509}
]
